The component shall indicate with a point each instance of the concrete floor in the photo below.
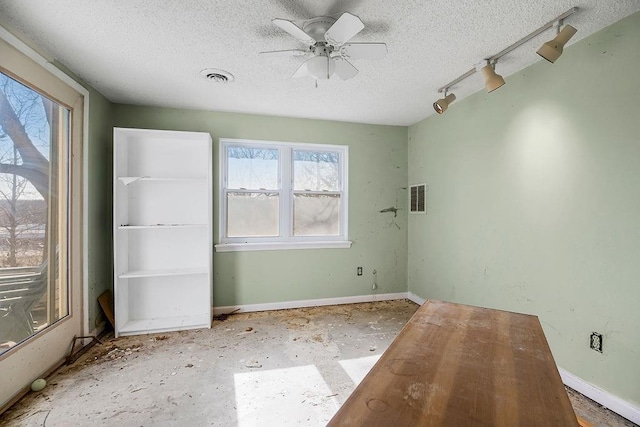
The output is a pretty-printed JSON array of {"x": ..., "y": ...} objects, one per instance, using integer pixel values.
[{"x": 289, "y": 367}]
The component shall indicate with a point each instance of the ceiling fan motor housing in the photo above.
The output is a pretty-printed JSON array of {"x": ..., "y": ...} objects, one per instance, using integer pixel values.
[
  {"x": 317, "y": 27},
  {"x": 322, "y": 48}
]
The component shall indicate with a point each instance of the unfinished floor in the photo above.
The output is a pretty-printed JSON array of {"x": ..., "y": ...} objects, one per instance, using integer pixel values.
[{"x": 290, "y": 367}]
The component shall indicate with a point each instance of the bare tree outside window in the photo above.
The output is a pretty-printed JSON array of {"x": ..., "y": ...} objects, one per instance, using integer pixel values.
[
  {"x": 22, "y": 220},
  {"x": 30, "y": 295}
]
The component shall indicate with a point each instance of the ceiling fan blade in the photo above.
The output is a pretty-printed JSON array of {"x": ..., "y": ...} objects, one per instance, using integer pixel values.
[
  {"x": 288, "y": 52},
  {"x": 344, "y": 69},
  {"x": 364, "y": 50},
  {"x": 302, "y": 71},
  {"x": 343, "y": 29},
  {"x": 294, "y": 30}
]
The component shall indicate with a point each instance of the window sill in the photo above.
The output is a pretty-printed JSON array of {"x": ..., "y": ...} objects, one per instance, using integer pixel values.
[{"x": 276, "y": 246}]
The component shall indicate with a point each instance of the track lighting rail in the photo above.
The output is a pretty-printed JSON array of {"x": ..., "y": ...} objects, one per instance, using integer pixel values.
[{"x": 515, "y": 45}]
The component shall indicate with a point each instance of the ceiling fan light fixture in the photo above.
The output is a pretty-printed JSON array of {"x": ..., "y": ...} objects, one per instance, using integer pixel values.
[
  {"x": 321, "y": 67},
  {"x": 552, "y": 49},
  {"x": 442, "y": 104}
]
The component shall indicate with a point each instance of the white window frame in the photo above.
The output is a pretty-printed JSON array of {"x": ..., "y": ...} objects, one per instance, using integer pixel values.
[{"x": 286, "y": 239}]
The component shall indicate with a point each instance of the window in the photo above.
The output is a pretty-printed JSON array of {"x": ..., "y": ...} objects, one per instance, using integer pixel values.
[{"x": 282, "y": 195}]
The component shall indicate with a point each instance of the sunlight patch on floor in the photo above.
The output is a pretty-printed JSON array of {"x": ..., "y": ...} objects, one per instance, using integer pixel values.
[
  {"x": 358, "y": 368},
  {"x": 289, "y": 396}
]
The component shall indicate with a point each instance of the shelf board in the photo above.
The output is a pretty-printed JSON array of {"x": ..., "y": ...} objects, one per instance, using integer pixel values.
[
  {"x": 141, "y": 227},
  {"x": 134, "y": 274},
  {"x": 126, "y": 180},
  {"x": 165, "y": 324}
]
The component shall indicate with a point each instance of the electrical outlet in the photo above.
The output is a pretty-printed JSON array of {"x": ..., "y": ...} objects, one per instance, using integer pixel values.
[
  {"x": 596, "y": 342},
  {"x": 359, "y": 271}
]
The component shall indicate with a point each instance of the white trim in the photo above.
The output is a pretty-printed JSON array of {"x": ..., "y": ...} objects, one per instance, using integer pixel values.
[
  {"x": 85, "y": 211},
  {"x": 276, "y": 246},
  {"x": 344, "y": 177},
  {"x": 29, "y": 52},
  {"x": 40, "y": 60},
  {"x": 606, "y": 399},
  {"x": 415, "y": 298},
  {"x": 308, "y": 303}
]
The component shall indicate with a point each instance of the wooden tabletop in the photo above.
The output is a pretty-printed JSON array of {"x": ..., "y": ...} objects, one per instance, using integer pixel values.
[{"x": 459, "y": 365}]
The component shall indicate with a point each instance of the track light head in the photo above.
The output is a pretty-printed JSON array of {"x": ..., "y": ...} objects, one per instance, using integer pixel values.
[
  {"x": 442, "y": 104},
  {"x": 492, "y": 80},
  {"x": 552, "y": 49}
]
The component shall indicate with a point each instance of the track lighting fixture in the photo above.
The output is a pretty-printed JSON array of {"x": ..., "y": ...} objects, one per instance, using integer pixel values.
[
  {"x": 552, "y": 49},
  {"x": 549, "y": 51},
  {"x": 442, "y": 104},
  {"x": 492, "y": 80}
]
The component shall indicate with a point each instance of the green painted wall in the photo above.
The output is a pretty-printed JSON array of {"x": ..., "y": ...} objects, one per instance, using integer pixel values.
[
  {"x": 534, "y": 203},
  {"x": 100, "y": 252},
  {"x": 377, "y": 180},
  {"x": 98, "y": 193}
]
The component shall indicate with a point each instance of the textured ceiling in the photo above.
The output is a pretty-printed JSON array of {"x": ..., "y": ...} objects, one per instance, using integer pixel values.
[{"x": 151, "y": 52}]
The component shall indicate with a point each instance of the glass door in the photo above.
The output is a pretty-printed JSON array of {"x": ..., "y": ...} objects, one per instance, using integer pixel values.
[
  {"x": 41, "y": 299},
  {"x": 34, "y": 140}
]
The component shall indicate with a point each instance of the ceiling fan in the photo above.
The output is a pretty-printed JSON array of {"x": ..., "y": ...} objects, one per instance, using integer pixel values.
[{"x": 328, "y": 46}]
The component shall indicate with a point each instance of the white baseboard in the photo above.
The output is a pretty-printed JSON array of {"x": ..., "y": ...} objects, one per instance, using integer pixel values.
[
  {"x": 308, "y": 303},
  {"x": 415, "y": 298},
  {"x": 614, "y": 403}
]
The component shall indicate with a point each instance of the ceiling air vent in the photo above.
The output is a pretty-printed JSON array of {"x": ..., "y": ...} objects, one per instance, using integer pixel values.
[
  {"x": 417, "y": 202},
  {"x": 217, "y": 76}
]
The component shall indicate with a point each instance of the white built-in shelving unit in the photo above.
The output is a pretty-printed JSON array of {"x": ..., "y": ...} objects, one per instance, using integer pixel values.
[{"x": 162, "y": 230}]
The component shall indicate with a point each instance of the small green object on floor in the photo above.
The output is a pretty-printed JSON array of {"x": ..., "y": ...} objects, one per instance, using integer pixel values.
[{"x": 38, "y": 384}]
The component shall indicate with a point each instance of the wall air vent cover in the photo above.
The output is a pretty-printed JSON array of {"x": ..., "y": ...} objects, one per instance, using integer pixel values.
[{"x": 417, "y": 199}]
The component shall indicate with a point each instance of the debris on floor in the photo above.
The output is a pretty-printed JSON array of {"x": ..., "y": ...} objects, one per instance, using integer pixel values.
[
  {"x": 253, "y": 364},
  {"x": 297, "y": 370},
  {"x": 225, "y": 316}
]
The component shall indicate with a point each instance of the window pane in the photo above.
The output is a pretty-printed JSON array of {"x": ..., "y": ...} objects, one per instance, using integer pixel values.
[
  {"x": 252, "y": 168},
  {"x": 316, "y": 215},
  {"x": 252, "y": 214},
  {"x": 34, "y": 132},
  {"x": 316, "y": 170}
]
